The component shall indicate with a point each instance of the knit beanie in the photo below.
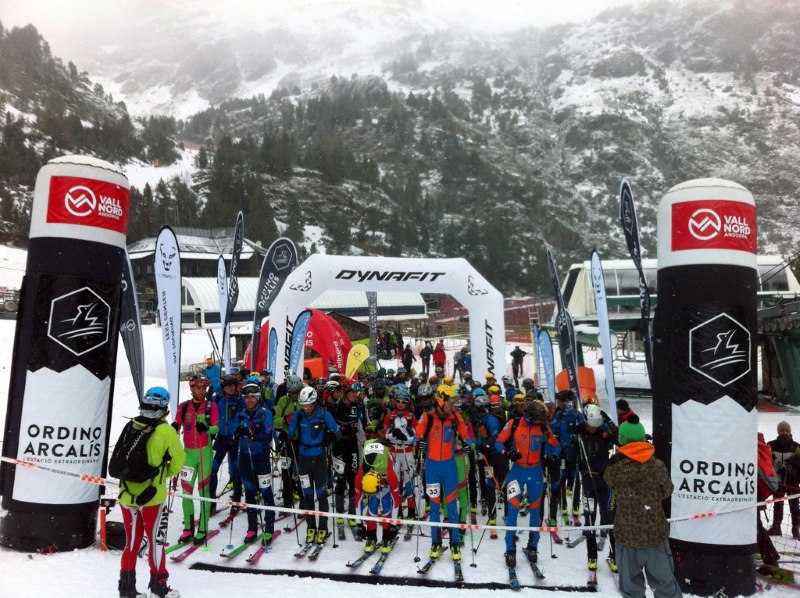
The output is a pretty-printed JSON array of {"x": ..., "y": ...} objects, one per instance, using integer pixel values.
[{"x": 631, "y": 431}]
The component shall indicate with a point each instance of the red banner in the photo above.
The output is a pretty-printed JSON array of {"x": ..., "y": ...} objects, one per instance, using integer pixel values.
[
  {"x": 78, "y": 200},
  {"x": 714, "y": 224}
]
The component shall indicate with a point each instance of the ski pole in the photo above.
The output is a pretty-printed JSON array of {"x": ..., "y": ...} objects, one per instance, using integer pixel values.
[
  {"x": 230, "y": 532},
  {"x": 333, "y": 501},
  {"x": 291, "y": 490},
  {"x": 205, "y": 507}
]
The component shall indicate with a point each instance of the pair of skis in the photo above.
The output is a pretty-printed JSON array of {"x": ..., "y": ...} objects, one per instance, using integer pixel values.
[
  {"x": 310, "y": 550},
  {"x": 514, "y": 580},
  {"x": 378, "y": 567},
  {"x": 184, "y": 554},
  {"x": 265, "y": 539},
  {"x": 458, "y": 573}
]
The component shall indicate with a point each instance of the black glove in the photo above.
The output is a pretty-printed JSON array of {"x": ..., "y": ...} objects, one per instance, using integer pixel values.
[
  {"x": 400, "y": 435},
  {"x": 283, "y": 436},
  {"x": 176, "y": 425},
  {"x": 201, "y": 427},
  {"x": 484, "y": 449},
  {"x": 244, "y": 432},
  {"x": 513, "y": 455},
  {"x": 551, "y": 461}
]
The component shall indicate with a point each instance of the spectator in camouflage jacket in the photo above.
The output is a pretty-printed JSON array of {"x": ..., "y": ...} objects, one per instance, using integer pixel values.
[{"x": 640, "y": 482}]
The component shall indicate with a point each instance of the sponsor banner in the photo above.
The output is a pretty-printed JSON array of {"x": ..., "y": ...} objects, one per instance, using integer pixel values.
[
  {"x": 358, "y": 354},
  {"x": 222, "y": 291},
  {"x": 68, "y": 432},
  {"x": 714, "y": 224},
  {"x": 715, "y": 474},
  {"x": 298, "y": 344},
  {"x": 279, "y": 261},
  {"x": 272, "y": 352},
  {"x": 233, "y": 291},
  {"x": 630, "y": 228},
  {"x": 545, "y": 344},
  {"x": 130, "y": 327},
  {"x": 599, "y": 285},
  {"x": 88, "y": 202},
  {"x": 372, "y": 304},
  {"x": 168, "y": 289},
  {"x": 566, "y": 332}
]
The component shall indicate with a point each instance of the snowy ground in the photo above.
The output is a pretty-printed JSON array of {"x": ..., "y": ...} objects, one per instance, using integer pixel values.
[{"x": 90, "y": 573}]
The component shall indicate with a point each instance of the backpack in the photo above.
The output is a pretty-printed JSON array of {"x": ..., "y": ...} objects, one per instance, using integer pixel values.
[{"x": 129, "y": 462}]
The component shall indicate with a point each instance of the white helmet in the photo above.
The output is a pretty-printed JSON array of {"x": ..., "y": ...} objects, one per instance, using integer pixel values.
[
  {"x": 308, "y": 396},
  {"x": 594, "y": 416}
]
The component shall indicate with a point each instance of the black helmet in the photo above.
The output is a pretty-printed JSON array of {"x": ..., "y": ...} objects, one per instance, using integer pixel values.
[
  {"x": 226, "y": 379},
  {"x": 527, "y": 383}
]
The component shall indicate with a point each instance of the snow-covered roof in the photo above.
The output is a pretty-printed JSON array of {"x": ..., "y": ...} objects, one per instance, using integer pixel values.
[{"x": 194, "y": 243}]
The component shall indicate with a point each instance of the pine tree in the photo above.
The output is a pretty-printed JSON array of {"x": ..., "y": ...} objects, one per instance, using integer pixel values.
[{"x": 295, "y": 222}]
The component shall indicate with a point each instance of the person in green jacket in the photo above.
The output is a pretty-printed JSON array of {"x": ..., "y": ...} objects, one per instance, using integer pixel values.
[
  {"x": 142, "y": 503},
  {"x": 286, "y": 405}
]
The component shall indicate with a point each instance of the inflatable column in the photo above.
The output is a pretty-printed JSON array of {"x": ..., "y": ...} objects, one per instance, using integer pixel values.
[
  {"x": 65, "y": 351},
  {"x": 704, "y": 382}
]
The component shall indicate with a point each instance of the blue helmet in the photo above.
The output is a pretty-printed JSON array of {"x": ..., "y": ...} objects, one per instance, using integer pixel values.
[
  {"x": 155, "y": 403},
  {"x": 379, "y": 383},
  {"x": 254, "y": 379}
]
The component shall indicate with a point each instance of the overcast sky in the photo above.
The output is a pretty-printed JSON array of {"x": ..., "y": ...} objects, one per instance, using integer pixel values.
[{"x": 64, "y": 21}]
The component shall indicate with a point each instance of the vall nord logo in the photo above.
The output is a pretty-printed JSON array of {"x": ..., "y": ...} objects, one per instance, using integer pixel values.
[
  {"x": 80, "y": 201},
  {"x": 704, "y": 224},
  {"x": 88, "y": 202},
  {"x": 714, "y": 224}
]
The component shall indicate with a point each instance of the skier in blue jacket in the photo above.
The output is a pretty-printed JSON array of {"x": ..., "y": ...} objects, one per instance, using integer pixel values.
[
  {"x": 315, "y": 429},
  {"x": 254, "y": 436}
]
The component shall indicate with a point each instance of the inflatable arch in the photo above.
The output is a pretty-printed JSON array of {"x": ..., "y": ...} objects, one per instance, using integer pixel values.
[{"x": 454, "y": 277}]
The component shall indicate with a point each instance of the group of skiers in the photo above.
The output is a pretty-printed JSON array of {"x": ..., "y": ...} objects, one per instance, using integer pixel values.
[{"x": 391, "y": 445}]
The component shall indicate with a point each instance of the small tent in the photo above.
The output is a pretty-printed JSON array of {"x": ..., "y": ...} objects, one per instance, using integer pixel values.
[{"x": 325, "y": 337}]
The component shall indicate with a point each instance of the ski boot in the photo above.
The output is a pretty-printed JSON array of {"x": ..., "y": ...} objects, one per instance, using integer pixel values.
[
  {"x": 565, "y": 516},
  {"x": 386, "y": 546},
  {"x": 127, "y": 585},
  {"x": 511, "y": 559},
  {"x": 473, "y": 515},
  {"x": 200, "y": 538},
  {"x": 455, "y": 552},
  {"x": 531, "y": 553},
  {"x": 492, "y": 532},
  {"x": 612, "y": 562},
  {"x": 186, "y": 536},
  {"x": 322, "y": 535},
  {"x": 436, "y": 551},
  {"x": 311, "y": 536},
  {"x": 592, "y": 564},
  {"x": 576, "y": 517},
  {"x": 250, "y": 536},
  {"x": 370, "y": 545},
  {"x": 159, "y": 587}
]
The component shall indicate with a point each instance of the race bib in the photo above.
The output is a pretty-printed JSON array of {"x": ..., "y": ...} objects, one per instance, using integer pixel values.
[
  {"x": 285, "y": 463},
  {"x": 513, "y": 489},
  {"x": 265, "y": 481},
  {"x": 338, "y": 465},
  {"x": 187, "y": 473},
  {"x": 489, "y": 472},
  {"x": 305, "y": 481},
  {"x": 372, "y": 448},
  {"x": 432, "y": 490}
]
